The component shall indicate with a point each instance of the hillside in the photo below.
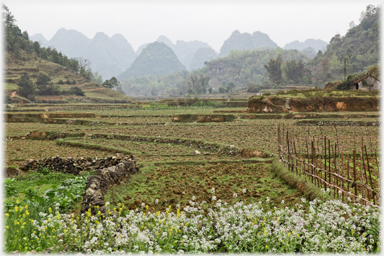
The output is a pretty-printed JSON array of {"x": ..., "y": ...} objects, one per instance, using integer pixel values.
[
  {"x": 108, "y": 56},
  {"x": 155, "y": 59},
  {"x": 245, "y": 68},
  {"x": 185, "y": 50},
  {"x": 239, "y": 70},
  {"x": 201, "y": 56},
  {"x": 316, "y": 44},
  {"x": 360, "y": 47},
  {"x": 61, "y": 77},
  {"x": 246, "y": 41}
]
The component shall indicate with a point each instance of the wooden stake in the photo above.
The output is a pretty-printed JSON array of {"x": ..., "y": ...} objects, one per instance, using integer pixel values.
[
  {"x": 342, "y": 173},
  {"x": 325, "y": 162},
  {"x": 329, "y": 163},
  {"x": 370, "y": 177},
  {"x": 354, "y": 171}
]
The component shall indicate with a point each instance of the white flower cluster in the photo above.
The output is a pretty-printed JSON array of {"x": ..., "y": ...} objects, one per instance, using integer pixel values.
[{"x": 309, "y": 227}]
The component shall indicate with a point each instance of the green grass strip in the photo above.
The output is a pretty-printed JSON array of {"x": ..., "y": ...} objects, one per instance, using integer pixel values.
[{"x": 309, "y": 190}]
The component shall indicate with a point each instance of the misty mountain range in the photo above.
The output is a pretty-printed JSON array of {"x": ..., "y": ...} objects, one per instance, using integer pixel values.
[{"x": 113, "y": 56}]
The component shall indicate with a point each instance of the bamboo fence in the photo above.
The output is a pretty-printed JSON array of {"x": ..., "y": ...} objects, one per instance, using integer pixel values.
[{"x": 348, "y": 176}]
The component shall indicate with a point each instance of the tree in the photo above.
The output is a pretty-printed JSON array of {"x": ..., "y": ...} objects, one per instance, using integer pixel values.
[
  {"x": 43, "y": 79},
  {"x": 77, "y": 91},
  {"x": 197, "y": 84},
  {"x": 274, "y": 69},
  {"x": 325, "y": 65},
  {"x": 335, "y": 64},
  {"x": 97, "y": 78},
  {"x": 111, "y": 83},
  {"x": 26, "y": 87}
]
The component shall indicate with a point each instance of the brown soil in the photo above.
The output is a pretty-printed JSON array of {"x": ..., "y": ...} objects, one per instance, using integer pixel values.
[{"x": 177, "y": 185}]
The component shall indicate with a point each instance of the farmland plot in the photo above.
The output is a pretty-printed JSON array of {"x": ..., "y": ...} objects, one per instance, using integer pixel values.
[{"x": 184, "y": 201}]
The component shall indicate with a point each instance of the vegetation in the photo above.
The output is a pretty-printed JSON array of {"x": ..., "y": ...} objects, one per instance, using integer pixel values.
[
  {"x": 155, "y": 59},
  {"x": 245, "y": 41},
  {"x": 358, "y": 49}
]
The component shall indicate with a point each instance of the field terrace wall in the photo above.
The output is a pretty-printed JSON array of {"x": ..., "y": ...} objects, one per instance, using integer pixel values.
[
  {"x": 109, "y": 171},
  {"x": 203, "y": 118},
  {"x": 314, "y": 104}
]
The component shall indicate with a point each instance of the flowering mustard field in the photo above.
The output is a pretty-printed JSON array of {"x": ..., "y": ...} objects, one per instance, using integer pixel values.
[{"x": 308, "y": 227}]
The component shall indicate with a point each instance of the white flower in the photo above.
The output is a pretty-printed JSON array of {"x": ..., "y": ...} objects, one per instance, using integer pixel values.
[
  {"x": 282, "y": 201},
  {"x": 244, "y": 190},
  {"x": 193, "y": 198},
  {"x": 157, "y": 201},
  {"x": 234, "y": 195},
  {"x": 106, "y": 203},
  {"x": 213, "y": 190},
  {"x": 267, "y": 200}
]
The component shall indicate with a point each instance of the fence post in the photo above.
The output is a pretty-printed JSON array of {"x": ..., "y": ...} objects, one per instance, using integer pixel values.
[
  {"x": 329, "y": 164},
  {"x": 354, "y": 171},
  {"x": 325, "y": 162},
  {"x": 370, "y": 177}
]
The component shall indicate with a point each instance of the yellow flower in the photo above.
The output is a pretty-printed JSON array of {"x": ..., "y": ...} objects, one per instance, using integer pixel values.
[
  {"x": 289, "y": 234},
  {"x": 7, "y": 227},
  {"x": 266, "y": 246},
  {"x": 26, "y": 206},
  {"x": 7, "y": 215},
  {"x": 50, "y": 210}
]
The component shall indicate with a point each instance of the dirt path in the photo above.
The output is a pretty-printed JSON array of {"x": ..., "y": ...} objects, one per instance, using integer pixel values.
[{"x": 94, "y": 89}]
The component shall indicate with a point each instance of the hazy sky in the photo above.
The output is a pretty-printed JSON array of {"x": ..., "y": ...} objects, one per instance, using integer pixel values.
[{"x": 208, "y": 21}]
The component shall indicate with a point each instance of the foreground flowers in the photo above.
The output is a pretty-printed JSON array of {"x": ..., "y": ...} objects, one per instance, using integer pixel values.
[{"x": 309, "y": 227}]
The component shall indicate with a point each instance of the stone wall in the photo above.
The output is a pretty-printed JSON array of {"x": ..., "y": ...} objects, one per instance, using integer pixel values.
[{"x": 109, "y": 171}]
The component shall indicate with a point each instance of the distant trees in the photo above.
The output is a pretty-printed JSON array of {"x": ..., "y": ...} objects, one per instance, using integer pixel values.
[
  {"x": 26, "y": 87},
  {"x": 45, "y": 86},
  {"x": 294, "y": 71},
  {"x": 111, "y": 83},
  {"x": 274, "y": 69},
  {"x": 325, "y": 65},
  {"x": 197, "y": 84},
  {"x": 97, "y": 78}
]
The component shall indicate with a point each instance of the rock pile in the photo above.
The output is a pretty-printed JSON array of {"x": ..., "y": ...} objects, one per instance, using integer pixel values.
[
  {"x": 97, "y": 185},
  {"x": 71, "y": 165}
]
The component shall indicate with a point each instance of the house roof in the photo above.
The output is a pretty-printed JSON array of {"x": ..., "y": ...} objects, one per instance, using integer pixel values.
[{"x": 364, "y": 77}]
